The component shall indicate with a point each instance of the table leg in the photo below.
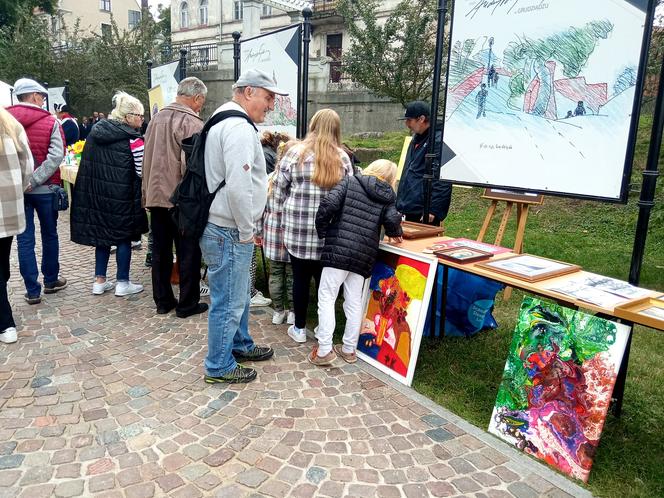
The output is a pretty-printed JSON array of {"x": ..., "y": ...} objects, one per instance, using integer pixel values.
[
  {"x": 619, "y": 388},
  {"x": 443, "y": 301}
]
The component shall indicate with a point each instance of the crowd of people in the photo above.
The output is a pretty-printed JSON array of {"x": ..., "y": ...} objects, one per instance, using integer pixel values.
[{"x": 315, "y": 214}]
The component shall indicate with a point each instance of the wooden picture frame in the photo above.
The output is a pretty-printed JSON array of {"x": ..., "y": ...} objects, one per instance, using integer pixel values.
[
  {"x": 463, "y": 254},
  {"x": 529, "y": 268},
  {"x": 412, "y": 230},
  {"x": 648, "y": 311},
  {"x": 497, "y": 194}
]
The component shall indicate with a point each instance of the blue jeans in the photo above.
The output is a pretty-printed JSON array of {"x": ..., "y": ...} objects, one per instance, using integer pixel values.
[
  {"x": 27, "y": 261},
  {"x": 228, "y": 318},
  {"x": 122, "y": 258}
]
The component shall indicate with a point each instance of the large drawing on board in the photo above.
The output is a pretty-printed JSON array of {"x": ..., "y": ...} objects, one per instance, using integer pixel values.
[
  {"x": 277, "y": 54},
  {"x": 541, "y": 95}
]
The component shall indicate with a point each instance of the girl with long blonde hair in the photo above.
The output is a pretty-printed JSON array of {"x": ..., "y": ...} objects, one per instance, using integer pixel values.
[{"x": 306, "y": 173}]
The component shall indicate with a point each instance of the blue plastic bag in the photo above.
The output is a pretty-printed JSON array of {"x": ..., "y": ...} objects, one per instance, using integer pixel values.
[{"x": 470, "y": 301}]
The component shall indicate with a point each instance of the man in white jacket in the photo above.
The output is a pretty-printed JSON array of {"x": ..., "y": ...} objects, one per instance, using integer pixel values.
[{"x": 233, "y": 153}]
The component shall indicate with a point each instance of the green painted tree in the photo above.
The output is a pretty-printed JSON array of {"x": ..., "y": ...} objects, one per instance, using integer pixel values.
[{"x": 393, "y": 59}]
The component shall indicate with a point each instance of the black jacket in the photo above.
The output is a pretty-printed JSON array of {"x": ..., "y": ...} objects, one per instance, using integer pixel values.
[
  {"x": 410, "y": 198},
  {"x": 350, "y": 218},
  {"x": 106, "y": 202}
]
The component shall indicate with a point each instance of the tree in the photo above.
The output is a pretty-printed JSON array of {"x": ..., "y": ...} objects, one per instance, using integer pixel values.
[
  {"x": 394, "y": 59},
  {"x": 11, "y": 11}
]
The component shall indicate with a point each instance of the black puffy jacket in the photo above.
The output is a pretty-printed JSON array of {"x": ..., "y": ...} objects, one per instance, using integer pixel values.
[
  {"x": 106, "y": 202},
  {"x": 350, "y": 219}
]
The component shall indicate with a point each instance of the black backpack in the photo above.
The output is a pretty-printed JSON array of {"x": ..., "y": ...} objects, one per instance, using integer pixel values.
[{"x": 192, "y": 199}]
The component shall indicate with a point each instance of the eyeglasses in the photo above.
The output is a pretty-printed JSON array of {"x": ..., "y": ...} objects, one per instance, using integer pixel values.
[{"x": 137, "y": 115}]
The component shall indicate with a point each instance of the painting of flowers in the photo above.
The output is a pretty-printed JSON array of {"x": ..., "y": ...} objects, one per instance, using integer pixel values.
[
  {"x": 557, "y": 384},
  {"x": 397, "y": 298}
]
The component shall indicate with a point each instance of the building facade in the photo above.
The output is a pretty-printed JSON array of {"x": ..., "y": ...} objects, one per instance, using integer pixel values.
[{"x": 95, "y": 16}]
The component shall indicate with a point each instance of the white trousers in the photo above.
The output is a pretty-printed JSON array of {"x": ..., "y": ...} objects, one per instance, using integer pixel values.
[{"x": 331, "y": 280}]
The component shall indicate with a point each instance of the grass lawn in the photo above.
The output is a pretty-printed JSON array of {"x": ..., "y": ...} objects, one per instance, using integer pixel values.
[{"x": 463, "y": 374}]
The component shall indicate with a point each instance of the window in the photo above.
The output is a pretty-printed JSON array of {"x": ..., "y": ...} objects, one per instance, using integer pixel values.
[
  {"x": 203, "y": 13},
  {"x": 237, "y": 11},
  {"x": 267, "y": 10},
  {"x": 105, "y": 5},
  {"x": 184, "y": 15},
  {"x": 134, "y": 18},
  {"x": 333, "y": 51},
  {"x": 106, "y": 32}
]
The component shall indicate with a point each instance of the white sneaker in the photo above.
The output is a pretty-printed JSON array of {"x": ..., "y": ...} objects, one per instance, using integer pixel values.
[
  {"x": 298, "y": 335},
  {"x": 278, "y": 317},
  {"x": 127, "y": 288},
  {"x": 136, "y": 244},
  {"x": 205, "y": 290},
  {"x": 8, "y": 336},
  {"x": 291, "y": 318},
  {"x": 259, "y": 300},
  {"x": 99, "y": 289}
]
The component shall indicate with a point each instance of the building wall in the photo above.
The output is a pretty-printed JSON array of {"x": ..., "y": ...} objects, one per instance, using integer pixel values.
[{"x": 92, "y": 16}]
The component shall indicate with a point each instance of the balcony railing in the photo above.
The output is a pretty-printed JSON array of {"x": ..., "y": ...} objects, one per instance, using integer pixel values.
[
  {"x": 199, "y": 57},
  {"x": 324, "y": 6}
]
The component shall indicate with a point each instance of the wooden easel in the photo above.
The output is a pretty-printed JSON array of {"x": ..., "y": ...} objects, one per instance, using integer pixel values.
[{"x": 523, "y": 201}]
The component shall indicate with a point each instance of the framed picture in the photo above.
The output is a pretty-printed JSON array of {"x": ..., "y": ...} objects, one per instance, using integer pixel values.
[
  {"x": 473, "y": 244},
  {"x": 648, "y": 311},
  {"x": 412, "y": 230},
  {"x": 557, "y": 384},
  {"x": 463, "y": 254},
  {"x": 396, "y": 301},
  {"x": 530, "y": 268}
]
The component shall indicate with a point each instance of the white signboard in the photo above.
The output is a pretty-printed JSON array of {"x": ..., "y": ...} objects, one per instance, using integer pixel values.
[
  {"x": 56, "y": 96},
  {"x": 277, "y": 54},
  {"x": 541, "y": 95},
  {"x": 167, "y": 77},
  {"x": 5, "y": 94}
]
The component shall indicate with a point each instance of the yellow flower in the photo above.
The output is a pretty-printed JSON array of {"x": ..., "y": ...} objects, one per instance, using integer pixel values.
[{"x": 77, "y": 148}]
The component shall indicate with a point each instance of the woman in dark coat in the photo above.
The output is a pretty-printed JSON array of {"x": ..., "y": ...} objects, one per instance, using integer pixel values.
[{"x": 106, "y": 203}]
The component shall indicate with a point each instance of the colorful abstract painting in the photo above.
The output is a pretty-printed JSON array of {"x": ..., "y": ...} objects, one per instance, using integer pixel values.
[
  {"x": 557, "y": 384},
  {"x": 397, "y": 299}
]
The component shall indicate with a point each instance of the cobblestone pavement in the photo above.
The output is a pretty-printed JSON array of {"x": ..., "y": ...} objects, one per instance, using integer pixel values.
[{"x": 101, "y": 396}]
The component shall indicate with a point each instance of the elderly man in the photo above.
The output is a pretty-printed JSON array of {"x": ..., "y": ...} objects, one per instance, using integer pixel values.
[
  {"x": 233, "y": 153},
  {"x": 69, "y": 125},
  {"x": 410, "y": 197},
  {"x": 163, "y": 168},
  {"x": 46, "y": 140}
]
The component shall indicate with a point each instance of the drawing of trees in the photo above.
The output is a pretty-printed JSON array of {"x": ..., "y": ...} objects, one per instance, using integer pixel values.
[{"x": 526, "y": 59}]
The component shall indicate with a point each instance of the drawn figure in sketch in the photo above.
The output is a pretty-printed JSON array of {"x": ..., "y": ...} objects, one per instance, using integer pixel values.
[
  {"x": 491, "y": 75},
  {"x": 480, "y": 98},
  {"x": 495, "y": 78},
  {"x": 570, "y": 114},
  {"x": 580, "y": 109}
]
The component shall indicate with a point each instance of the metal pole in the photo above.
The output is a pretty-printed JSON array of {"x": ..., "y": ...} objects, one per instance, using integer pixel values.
[
  {"x": 650, "y": 174},
  {"x": 149, "y": 63},
  {"x": 66, "y": 92},
  {"x": 306, "y": 39},
  {"x": 183, "y": 63},
  {"x": 45, "y": 85},
  {"x": 431, "y": 156},
  {"x": 236, "y": 55}
]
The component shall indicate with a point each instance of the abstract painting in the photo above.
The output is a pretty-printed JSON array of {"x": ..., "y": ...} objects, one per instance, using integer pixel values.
[
  {"x": 557, "y": 384},
  {"x": 397, "y": 299},
  {"x": 541, "y": 95}
]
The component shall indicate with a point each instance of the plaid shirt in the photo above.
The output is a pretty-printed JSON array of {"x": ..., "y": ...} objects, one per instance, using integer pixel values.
[
  {"x": 296, "y": 200},
  {"x": 273, "y": 232},
  {"x": 15, "y": 172}
]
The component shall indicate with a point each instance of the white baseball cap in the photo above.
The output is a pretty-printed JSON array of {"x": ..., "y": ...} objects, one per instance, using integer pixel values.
[{"x": 258, "y": 79}]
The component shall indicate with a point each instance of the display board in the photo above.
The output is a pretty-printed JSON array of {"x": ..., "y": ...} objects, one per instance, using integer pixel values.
[
  {"x": 56, "y": 96},
  {"x": 156, "y": 99},
  {"x": 541, "y": 95},
  {"x": 166, "y": 76},
  {"x": 278, "y": 54},
  {"x": 5, "y": 94}
]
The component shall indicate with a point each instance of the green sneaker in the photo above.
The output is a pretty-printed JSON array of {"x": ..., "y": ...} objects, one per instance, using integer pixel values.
[
  {"x": 259, "y": 353},
  {"x": 239, "y": 375}
]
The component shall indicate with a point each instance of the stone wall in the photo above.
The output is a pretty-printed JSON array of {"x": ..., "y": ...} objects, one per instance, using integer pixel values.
[{"x": 360, "y": 111}]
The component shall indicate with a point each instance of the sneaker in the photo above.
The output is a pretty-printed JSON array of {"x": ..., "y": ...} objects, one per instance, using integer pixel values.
[
  {"x": 238, "y": 375},
  {"x": 136, "y": 244},
  {"x": 291, "y": 318},
  {"x": 127, "y": 288},
  {"x": 259, "y": 300},
  {"x": 278, "y": 317},
  {"x": 347, "y": 357},
  {"x": 200, "y": 308},
  {"x": 205, "y": 290},
  {"x": 321, "y": 361},
  {"x": 298, "y": 335},
  {"x": 148, "y": 260},
  {"x": 8, "y": 336},
  {"x": 99, "y": 289},
  {"x": 113, "y": 249},
  {"x": 32, "y": 299},
  {"x": 259, "y": 353},
  {"x": 56, "y": 286}
]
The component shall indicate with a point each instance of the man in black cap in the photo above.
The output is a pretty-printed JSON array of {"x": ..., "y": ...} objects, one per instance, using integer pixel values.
[
  {"x": 69, "y": 124},
  {"x": 410, "y": 197}
]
